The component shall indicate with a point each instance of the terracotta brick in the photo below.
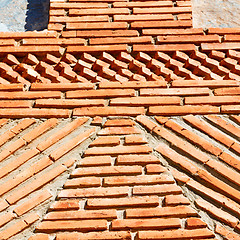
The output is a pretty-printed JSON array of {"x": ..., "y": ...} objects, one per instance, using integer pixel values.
[
  {"x": 33, "y": 217},
  {"x": 227, "y": 234},
  {"x": 134, "y": 139},
  {"x": 206, "y": 128},
  {"x": 35, "y": 184},
  {"x": 107, "y": 33},
  {"x": 32, "y": 202},
  {"x": 121, "y": 40},
  {"x": 95, "y": 235},
  {"x": 149, "y": 124},
  {"x": 162, "y": 10},
  {"x": 97, "y": 48},
  {"x": 29, "y": 95},
  {"x": 118, "y": 150},
  {"x": 148, "y": 201},
  {"x": 61, "y": 134},
  {"x": 71, "y": 5},
  {"x": 194, "y": 138},
  {"x": 16, "y": 104},
  {"x": 142, "y": 17},
  {"x": 71, "y": 225},
  {"x": 212, "y": 100},
  {"x": 155, "y": 169},
  {"x": 107, "y": 11},
  {"x": 174, "y": 92},
  {"x": 176, "y": 234},
  {"x": 174, "y": 212},
  {"x": 137, "y": 180},
  {"x": 95, "y": 161},
  {"x": 177, "y": 159},
  {"x": 7, "y": 217},
  {"x": 165, "y": 47},
  {"x": 39, "y": 236},
  {"x": 38, "y": 113},
  {"x": 94, "y": 192},
  {"x": 12, "y": 148},
  {"x": 232, "y": 161},
  {"x": 60, "y": 87},
  {"x": 119, "y": 122},
  {"x": 97, "y": 121},
  {"x": 161, "y": 190},
  {"x": 71, "y": 144},
  {"x": 65, "y": 205},
  {"x": 100, "y": 93},
  {"x": 14, "y": 229},
  {"x": 235, "y": 109},
  {"x": 3, "y": 205},
  {"x": 141, "y": 224},
  {"x": 25, "y": 174},
  {"x": 119, "y": 131},
  {"x": 107, "y": 170},
  {"x": 220, "y": 46},
  {"x": 217, "y": 213},
  {"x": 192, "y": 223},
  {"x": 18, "y": 162},
  {"x": 81, "y": 214},
  {"x": 83, "y": 182},
  {"x": 106, "y": 141},
  {"x": 136, "y": 159},
  {"x": 136, "y": 85},
  {"x": 95, "y": 26},
  {"x": 175, "y": 200},
  {"x": 145, "y": 101},
  {"x": 143, "y": 4},
  {"x": 214, "y": 196}
]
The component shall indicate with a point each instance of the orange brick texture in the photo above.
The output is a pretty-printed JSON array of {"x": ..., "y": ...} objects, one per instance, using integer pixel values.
[{"x": 120, "y": 122}]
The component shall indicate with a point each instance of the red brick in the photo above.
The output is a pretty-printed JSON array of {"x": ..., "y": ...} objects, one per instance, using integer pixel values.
[
  {"x": 29, "y": 95},
  {"x": 227, "y": 234},
  {"x": 25, "y": 174},
  {"x": 174, "y": 92},
  {"x": 216, "y": 212},
  {"x": 95, "y": 161},
  {"x": 65, "y": 205},
  {"x": 37, "y": 113},
  {"x": 61, "y": 133},
  {"x": 81, "y": 214},
  {"x": 137, "y": 180},
  {"x": 175, "y": 200},
  {"x": 132, "y": 140},
  {"x": 106, "y": 141},
  {"x": 177, "y": 159},
  {"x": 71, "y": 144},
  {"x": 71, "y": 225},
  {"x": 100, "y": 93},
  {"x": 173, "y": 10},
  {"x": 195, "y": 223},
  {"x": 143, "y": 4},
  {"x": 136, "y": 159},
  {"x": 220, "y": 46},
  {"x": 148, "y": 201},
  {"x": 145, "y": 101},
  {"x": 94, "y": 192},
  {"x": 176, "y": 234},
  {"x": 118, "y": 150},
  {"x": 95, "y": 236},
  {"x": 142, "y": 17},
  {"x": 141, "y": 224},
  {"x": 177, "y": 212},
  {"x": 71, "y": 5},
  {"x": 60, "y": 87},
  {"x": 161, "y": 190},
  {"x": 206, "y": 128},
  {"x": 95, "y": 26},
  {"x": 165, "y": 47},
  {"x": 212, "y": 100},
  {"x": 183, "y": 31},
  {"x": 107, "y": 11},
  {"x": 107, "y": 33},
  {"x": 83, "y": 182},
  {"x": 107, "y": 170},
  {"x": 32, "y": 202},
  {"x": 155, "y": 169},
  {"x": 98, "y": 48},
  {"x": 119, "y": 131},
  {"x": 35, "y": 184},
  {"x": 232, "y": 161}
]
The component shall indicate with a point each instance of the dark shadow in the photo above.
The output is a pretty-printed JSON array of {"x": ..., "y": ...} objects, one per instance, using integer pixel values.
[{"x": 37, "y": 15}]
